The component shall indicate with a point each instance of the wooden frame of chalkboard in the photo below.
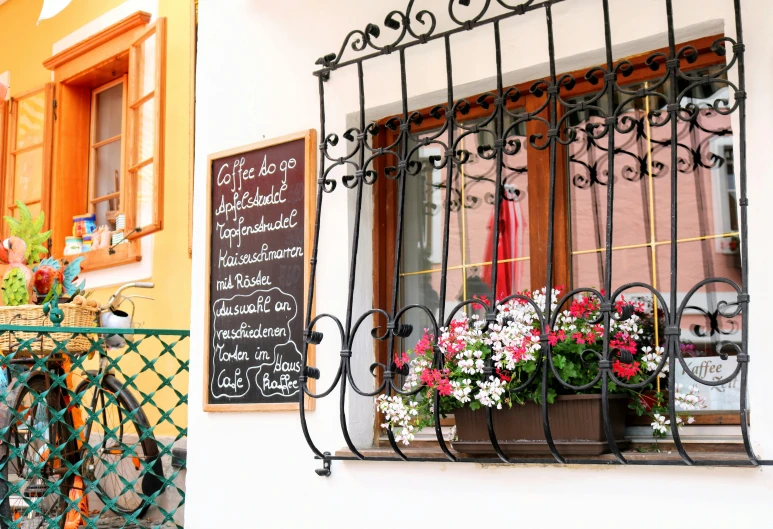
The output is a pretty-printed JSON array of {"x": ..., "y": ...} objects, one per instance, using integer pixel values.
[{"x": 252, "y": 166}]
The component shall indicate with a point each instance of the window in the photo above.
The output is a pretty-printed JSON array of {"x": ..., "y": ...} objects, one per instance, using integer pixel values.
[
  {"x": 707, "y": 230},
  {"x": 108, "y": 154},
  {"x": 28, "y": 162},
  {"x": 3, "y": 130}
]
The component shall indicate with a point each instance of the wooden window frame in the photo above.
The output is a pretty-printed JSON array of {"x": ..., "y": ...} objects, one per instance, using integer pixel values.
[
  {"x": 11, "y": 114},
  {"x": 79, "y": 71},
  {"x": 538, "y": 162},
  {"x": 95, "y": 145},
  {"x": 3, "y": 134}
]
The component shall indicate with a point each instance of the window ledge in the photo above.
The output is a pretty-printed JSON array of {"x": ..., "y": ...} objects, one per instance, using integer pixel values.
[
  {"x": 101, "y": 259},
  {"x": 719, "y": 455}
]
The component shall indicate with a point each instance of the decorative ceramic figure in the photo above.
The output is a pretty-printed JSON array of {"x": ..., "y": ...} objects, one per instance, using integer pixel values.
[
  {"x": 17, "y": 280},
  {"x": 72, "y": 245},
  {"x": 83, "y": 224},
  {"x": 115, "y": 319}
]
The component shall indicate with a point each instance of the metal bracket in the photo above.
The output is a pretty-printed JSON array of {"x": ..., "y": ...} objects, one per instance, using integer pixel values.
[{"x": 325, "y": 470}]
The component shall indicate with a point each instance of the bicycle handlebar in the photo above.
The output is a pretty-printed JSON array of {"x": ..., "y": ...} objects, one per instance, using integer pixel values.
[{"x": 117, "y": 295}]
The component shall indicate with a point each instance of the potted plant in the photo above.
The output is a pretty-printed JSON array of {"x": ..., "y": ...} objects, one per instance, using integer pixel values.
[
  {"x": 30, "y": 288},
  {"x": 512, "y": 346}
]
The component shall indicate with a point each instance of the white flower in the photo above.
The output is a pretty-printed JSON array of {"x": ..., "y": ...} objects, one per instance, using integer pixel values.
[
  {"x": 399, "y": 416},
  {"x": 490, "y": 393},
  {"x": 461, "y": 390},
  {"x": 651, "y": 360},
  {"x": 452, "y": 434},
  {"x": 689, "y": 401},
  {"x": 659, "y": 425}
]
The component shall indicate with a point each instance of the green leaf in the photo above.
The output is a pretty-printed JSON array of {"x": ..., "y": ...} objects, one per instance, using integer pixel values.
[
  {"x": 28, "y": 230},
  {"x": 559, "y": 361},
  {"x": 474, "y": 405}
]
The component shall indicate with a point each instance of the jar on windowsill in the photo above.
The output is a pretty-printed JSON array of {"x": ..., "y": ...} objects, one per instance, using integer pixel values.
[{"x": 73, "y": 245}]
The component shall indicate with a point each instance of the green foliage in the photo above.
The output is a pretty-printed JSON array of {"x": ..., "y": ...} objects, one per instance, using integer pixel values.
[
  {"x": 28, "y": 229},
  {"x": 15, "y": 291}
]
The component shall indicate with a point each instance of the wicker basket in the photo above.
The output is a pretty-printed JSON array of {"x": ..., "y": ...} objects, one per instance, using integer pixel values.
[{"x": 32, "y": 315}]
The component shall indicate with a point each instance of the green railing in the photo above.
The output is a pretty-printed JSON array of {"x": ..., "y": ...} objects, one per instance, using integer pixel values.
[{"x": 88, "y": 430}]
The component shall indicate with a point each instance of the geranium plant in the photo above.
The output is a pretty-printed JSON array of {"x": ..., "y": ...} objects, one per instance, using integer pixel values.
[{"x": 513, "y": 345}]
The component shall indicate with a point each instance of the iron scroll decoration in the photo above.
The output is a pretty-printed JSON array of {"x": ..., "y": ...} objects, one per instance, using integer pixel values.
[{"x": 417, "y": 27}]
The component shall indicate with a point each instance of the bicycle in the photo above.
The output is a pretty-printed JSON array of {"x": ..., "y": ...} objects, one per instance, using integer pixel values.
[{"x": 109, "y": 444}]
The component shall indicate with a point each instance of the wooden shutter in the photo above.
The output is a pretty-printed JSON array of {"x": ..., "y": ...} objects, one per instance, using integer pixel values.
[
  {"x": 30, "y": 139},
  {"x": 3, "y": 127},
  {"x": 145, "y": 148}
]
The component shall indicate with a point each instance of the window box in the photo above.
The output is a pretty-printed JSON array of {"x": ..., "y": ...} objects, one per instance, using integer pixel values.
[{"x": 576, "y": 425}]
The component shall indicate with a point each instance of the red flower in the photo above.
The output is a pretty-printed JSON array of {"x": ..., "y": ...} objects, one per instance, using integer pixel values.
[
  {"x": 435, "y": 378},
  {"x": 401, "y": 359},
  {"x": 484, "y": 299},
  {"x": 425, "y": 344},
  {"x": 626, "y": 371}
]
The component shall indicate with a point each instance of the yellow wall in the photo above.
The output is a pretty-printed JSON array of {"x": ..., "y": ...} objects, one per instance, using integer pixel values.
[{"x": 23, "y": 48}]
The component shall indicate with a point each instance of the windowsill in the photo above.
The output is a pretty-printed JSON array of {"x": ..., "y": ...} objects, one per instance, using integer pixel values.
[
  {"x": 100, "y": 259},
  {"x": 638, "y": 453}
]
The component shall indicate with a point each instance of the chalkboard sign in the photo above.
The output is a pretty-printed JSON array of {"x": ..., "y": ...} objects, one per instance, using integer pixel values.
[{"x": 260, "y": 212}]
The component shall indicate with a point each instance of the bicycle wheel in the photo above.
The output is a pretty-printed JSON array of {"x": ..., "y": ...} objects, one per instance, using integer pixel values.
[
  {"x": 34, "y": 435},
  {"x": 124, "y": 461}
]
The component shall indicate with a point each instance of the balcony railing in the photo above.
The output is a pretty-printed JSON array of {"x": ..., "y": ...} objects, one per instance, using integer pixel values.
[{"x": 89, "y": 419}]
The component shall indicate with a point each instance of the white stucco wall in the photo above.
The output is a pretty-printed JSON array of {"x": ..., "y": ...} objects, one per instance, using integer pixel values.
[{"x": 255, "y": 59}]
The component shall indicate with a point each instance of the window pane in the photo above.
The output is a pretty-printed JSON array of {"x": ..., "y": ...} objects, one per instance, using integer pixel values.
[
  {"x": 31, "y": 120},
  {"x": 145, "y": 129},
  {"x": 424, "y": 289},
  {"x": 109, "y": 113},
  {"x": 28, "y": 175},
  {"x": 512, "y": 277},
  {"x": 480, "y": 196},
  {"x": 145, "y": 195},
  {"x": 699, "y": 260},
  {"x": 588, "y": 167},
  {"x": 628, "y": 266},
  {"x": 706, "y": 200},
  {"x": 424, "y": 220},
  {"x": 146, "y": 71},
  {"x": 107, "y": 181},
  {"x": 471, "y": 222}
]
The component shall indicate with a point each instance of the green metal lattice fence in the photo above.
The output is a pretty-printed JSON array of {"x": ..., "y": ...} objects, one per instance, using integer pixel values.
[{"x": 88, "y": 421}]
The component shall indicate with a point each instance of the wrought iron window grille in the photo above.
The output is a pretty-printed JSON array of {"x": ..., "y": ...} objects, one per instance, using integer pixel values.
[{"x": 412, "y": 29}]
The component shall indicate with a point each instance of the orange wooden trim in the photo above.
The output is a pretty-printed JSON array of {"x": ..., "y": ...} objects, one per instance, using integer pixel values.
[
  {"x": 107, "y": 86},
  {"x": 27, "y": 93},
  {"x": 105, "y": 197},
  {"x": 48, "y": 154},
  {"x": 310, "y": 154},
  {"x": 27, "y": 148},
  {"x": 144, "y": 99},
  {"x": 136, "y": 60},
  {"x": 136, "y": 167},
  {"x": 108, "y": 141},
  {"x": 3, "y": 132},
  {"x": 28, "y": 204},
  {"x": 119, "y": 28},
  {"x": 160, "y": 108},
  {"x": 46, "y": 148}
]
